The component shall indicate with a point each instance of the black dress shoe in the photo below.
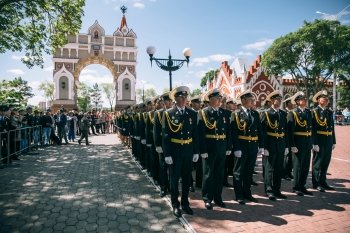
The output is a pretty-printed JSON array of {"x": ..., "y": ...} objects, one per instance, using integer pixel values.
[
  {"x": 254, "y": 183},
  {"x": 187, "y": 210},
  {"x": 252, "y": 199},
  {"x": 241, "y": 201},
  {"x": 79, "y": 142},
  {"x": 320, "y": 189},
  {"x": 298, "y": 192},
  {"x": 306, "y": 192},
  {"x": 327, "y": 187},
  {"x": 220, "y": 204},
  {"x": 208, "y": 205},
  {"x": 271, "y": 197},
  {"x": 177, "y": 212},
  {"x": 280, "y": 195}
]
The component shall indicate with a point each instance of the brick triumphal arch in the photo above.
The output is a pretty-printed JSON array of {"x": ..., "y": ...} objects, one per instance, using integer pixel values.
[{"x": 117, "y": 52}]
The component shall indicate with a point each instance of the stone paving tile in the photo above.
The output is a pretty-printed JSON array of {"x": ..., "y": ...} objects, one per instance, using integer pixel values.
[
  {"x": 323, "y": 212},
  {"x": 74, "y": 188}
]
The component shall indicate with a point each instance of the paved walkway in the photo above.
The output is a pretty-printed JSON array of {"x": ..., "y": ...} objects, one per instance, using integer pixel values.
[
  {"x": 100, "y": 189},
  {"x": 74, "y": 188}
]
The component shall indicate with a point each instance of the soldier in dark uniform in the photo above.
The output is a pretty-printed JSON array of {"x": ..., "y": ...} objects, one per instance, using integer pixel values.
[
  {"x": 180, "y": 147},
  {"x": 196, "y": 106},
  {"x": 288, "y": 162},
  {"x": 214, "y": 145},
  {"x": 136, "y": 121},
  {"x": 147, "y": 156},
  {"x": 157, "y": 138},
  {"x": 247, "y": 140},
  {"x": 300, "y": 141},
  {"x": 229, "y": 161},
  {"x": 323, "y": 140},
  {"x": 274, "y": 124}
]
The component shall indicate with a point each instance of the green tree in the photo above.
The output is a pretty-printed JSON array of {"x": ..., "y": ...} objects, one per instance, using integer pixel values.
[
  {"x": 96, "y": 95},
  {"x": 142, "y": 95},
  {"x": 38, "y": 26},
  {"x": 310, "y": 55},
  {"x": 110, "y": 93},
  {"x": 196, "y": 92},
  {"x": 211, "y": 74},
  {"x": 84, "y": 100},
  {"x": 48, "y": 89},
  {"x": 15, "y": 92}
]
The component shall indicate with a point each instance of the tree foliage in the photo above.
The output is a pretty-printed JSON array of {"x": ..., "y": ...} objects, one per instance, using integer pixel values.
[
  {"x": 143, "y": 94},
  {"x": 310, "y": 55},
  {"x": 38, "y": 26},
  {"x": 15, "y": 92},
  {"x": 211, "y": 74},
  {"x": 48, "y": 89},
  {"x": 110, "y": 93},
  {"x": 195, "y": 92},
  {"x": 84, "y": 100},
  {"x": 96, "y": 95}
]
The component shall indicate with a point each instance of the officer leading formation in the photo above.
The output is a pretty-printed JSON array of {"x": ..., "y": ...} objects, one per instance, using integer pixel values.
[{"x": 205, "y": 139}]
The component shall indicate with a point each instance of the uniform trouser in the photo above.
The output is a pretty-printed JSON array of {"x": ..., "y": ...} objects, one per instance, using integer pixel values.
[
  {"x": 199, "y": 173},
  {"x": 273, "y": 166},
  {"x": 154, "y": 163},
  {"x": 301, "y": 165},
  {"x": 243, "y": 169},
  {"x": 163, "y": 173},
  {"x": 62, "y": 133},
  {"x": 182, "y": 166},
  {"x": 84, "y": 134},
  {"x": 320, "y": 163},
  {"x": 229, "y": 162},
  {"x": 213, "y": 174},
  {"x": 288, "y": 164},
  {"x": 143, "y": 155},
  {"x": 133, "y": 146},
  {"x": 138, "y": 150}
]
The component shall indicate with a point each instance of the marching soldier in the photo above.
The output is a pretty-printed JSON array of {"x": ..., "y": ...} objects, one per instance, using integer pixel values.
[
  {"x": 230, "y": 106},
  {"x": 180, "y": 147},
  {"x": 324, "y": 141},
  {"x": 288, "y": 163},
  {"x": 274, "y": 125},
  {"x": 247, "y": 140},
  {"x": 166, "y": 102},
  {"x": 300, "y": 141},
  {"x": 215, "y": 144}
]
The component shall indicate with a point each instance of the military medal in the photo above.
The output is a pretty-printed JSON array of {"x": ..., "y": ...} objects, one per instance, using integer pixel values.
[
  {"x": 190, "y": 121},
  {"x": 224, "y": 120}
]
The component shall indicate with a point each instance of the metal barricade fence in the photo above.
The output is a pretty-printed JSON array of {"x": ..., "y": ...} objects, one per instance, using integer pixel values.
[{"x": 17, "y": 141}]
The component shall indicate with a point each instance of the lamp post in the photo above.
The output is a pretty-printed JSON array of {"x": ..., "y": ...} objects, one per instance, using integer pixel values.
[{"x": 169, "y": 64}]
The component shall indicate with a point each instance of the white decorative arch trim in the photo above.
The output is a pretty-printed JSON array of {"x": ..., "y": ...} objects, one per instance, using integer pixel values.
[
  {"x": 126, "y": 75},
  {"x": 56, "y": 79}
]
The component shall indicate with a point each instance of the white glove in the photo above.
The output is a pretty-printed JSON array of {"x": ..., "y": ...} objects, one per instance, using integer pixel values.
[
  {"x": 228, "y": 152},
  {"x": 159, "y": 149},
  {"x": 149, "y": 145},
  {"x": 238, "y": 153},
  {"x": 294, "y": 149},
  {"x": 195, "y": 157},
  {"x": 315, "y": 148},
  {"x": 143, "y": 141},
  {"x": 261, "y": 151},
  {"x": 333, "y": 147},
  {"x": 137, "y": 137},
  {"x": 204, "y": 156},
  {"x": 168, "y": 160},
  {"x": 123, "y": 129},
  {"x": 266, "y": 153},
  {"x": 286, "y": 151}
]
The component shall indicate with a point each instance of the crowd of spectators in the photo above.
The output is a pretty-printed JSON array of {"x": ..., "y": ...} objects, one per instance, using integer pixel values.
[
  {"x": 343, "y": 116},
  {"x": 26, "y": 129}
]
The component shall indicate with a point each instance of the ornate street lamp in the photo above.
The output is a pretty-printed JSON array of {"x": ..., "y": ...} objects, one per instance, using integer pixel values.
[{"x": 169, "y": 64}]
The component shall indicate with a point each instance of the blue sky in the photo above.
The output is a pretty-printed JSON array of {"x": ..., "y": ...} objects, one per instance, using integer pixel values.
[{"x": 214, "y": 30}]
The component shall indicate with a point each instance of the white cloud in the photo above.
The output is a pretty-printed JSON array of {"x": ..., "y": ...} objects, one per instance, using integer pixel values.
[
  {"x": 201, "y": 73},
  {"x": 143, "y": 83},
  {"x": 49, "y": 68},
  {"x": 90, "y": 79},
  {"x": 15, "y": 71},
  {"x": 34, "y": 84},
  {"x": 244, "y": 54},
  {"x": 88, "y": 71},
  {"x": 200, "y": 61},
  {"x": 15, "y": 57},
  {"x": 35, "y": 100},
  {"x": 139, "y": 5},
  {"x": 259, "y": 45},
  {"x": 337, "y": 16}
]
